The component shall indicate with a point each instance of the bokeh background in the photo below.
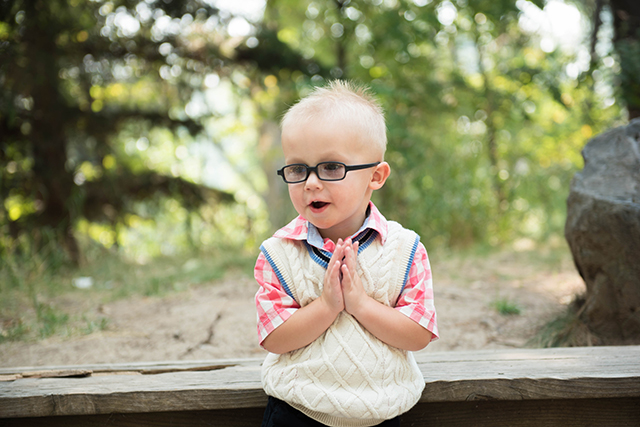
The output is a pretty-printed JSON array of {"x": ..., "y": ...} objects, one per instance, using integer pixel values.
[{"x": 137, "y": 135}]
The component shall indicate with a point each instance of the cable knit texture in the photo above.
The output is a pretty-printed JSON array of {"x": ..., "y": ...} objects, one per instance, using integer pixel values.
[{"x": 346, "y": 377}]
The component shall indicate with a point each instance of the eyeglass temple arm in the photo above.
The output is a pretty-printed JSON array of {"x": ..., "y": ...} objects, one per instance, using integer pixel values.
[{"x": 357, "y": 167}]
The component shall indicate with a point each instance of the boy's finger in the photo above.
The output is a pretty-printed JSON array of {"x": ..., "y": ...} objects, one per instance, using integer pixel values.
[
  {"x": 334, "y": 278},
  {"x": 346, "y": 277},
  {"x": 338, "y": 253},
  {"x": 348, "y": 255},
  {"x": 351, "y": 255}
]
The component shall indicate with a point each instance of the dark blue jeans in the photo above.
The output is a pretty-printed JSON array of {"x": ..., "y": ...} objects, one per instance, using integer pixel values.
[{"x": 281, "y": 414}]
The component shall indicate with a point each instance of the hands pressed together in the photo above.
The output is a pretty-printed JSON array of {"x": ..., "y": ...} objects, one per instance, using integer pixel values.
[
  {"x": 343, "y": 288},
  {"x": 343, "y": 291}
]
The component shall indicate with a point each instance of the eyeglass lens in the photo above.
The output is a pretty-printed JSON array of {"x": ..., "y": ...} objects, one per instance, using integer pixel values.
[{"x": 325, "y": 171}]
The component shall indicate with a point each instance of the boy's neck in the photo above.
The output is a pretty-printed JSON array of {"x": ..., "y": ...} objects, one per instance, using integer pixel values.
[{"x": 335, "y": 235}]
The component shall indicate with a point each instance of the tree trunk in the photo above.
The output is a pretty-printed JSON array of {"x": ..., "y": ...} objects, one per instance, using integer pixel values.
[
  {"x": 626, "y": 23},
  {"x": 48, "y": 137}
]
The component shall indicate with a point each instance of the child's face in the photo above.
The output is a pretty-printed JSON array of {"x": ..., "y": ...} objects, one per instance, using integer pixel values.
[{"x": 336, "y": 208}]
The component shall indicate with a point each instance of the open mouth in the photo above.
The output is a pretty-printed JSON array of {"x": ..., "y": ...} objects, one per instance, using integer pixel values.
[{"x": 318, "y": 205}]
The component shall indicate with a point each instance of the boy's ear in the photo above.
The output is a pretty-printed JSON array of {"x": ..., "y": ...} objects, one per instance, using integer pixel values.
[{"x": 380, "y": 175}]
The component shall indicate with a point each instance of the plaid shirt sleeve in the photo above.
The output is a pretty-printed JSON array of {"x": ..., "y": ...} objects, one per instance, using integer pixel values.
[
  {"x": 416, "y": 299},
  {"x": 273, "y": 304}
]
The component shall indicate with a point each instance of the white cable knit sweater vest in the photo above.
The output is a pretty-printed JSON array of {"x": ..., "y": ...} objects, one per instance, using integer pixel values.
[{"x": 346, "y": 377}]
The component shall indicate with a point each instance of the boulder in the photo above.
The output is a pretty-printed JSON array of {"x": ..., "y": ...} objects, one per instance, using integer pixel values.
[{"x": 603, "y": 232}]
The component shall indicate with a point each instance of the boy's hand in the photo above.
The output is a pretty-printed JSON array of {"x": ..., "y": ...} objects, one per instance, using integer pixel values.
[
  {"x": 352, "y": 289},
  {"x": 307, "y": 323},
  {"x": 332, "y": 290}
]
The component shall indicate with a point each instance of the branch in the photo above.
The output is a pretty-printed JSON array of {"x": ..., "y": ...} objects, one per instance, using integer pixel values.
[
  {"x": 271, "y": 55},
  {"x": 113, "y": 195},
  {"x": 594, "y": 34}
]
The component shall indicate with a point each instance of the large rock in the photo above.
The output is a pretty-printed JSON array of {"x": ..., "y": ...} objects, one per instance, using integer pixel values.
[{"x": 603, "y": 232}]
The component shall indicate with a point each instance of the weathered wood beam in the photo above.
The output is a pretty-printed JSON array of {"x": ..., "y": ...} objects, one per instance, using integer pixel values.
[{"x": 538, "y": 377}]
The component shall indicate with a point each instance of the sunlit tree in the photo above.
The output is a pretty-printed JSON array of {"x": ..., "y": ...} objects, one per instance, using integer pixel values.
[
  {"x": 485, "y": 119},
  {"x": 108, "y": 104},
  {"x": 87, "y": 87}
]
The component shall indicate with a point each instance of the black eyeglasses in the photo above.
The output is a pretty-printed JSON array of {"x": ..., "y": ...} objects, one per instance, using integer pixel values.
[{"x": 325, "y": 171}]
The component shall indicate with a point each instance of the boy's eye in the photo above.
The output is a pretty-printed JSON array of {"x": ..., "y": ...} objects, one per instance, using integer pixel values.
[
  {"x": 331, "y": 170},
  {"x": 332, "y": 166},
  {"x": 297, "y": 170}
]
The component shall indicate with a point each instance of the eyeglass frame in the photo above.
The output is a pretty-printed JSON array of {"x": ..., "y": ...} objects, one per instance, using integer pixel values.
[{"x": 314, "y": 169}]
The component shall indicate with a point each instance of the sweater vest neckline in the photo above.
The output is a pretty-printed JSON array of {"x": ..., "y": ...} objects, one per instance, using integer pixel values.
[{"x": 322, "y": 257}]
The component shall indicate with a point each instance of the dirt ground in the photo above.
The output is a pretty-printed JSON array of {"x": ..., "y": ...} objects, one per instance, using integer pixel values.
[{"x": 217, "y": 320}]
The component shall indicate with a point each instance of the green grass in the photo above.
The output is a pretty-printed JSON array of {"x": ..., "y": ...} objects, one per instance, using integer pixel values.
[
  {"x": 506, "y": 307},
  {"x": 566, "y": 330},
  {"x": 50, "y": 320},
  {"x": 38, "y": 298},
  {"x": 94, "y": 325},
  {"x": 13, "y": 330}
]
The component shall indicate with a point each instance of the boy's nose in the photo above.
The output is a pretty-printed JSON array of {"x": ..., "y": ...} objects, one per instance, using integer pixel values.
[{"x": 313, "y": 181}]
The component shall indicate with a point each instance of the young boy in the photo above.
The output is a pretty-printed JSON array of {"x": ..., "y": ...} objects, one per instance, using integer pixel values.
[{"x": 345, "y": 295}]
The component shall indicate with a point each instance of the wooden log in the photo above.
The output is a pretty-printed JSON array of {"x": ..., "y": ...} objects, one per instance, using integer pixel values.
[
  {"x": 527, "y": 413},
  {"x": 473, "y": 382},
  {"x": 237, "y": 387},
  {"x": 533, "y": 413},
  {"x": 144, "y": 367},
  {"x": 57, "y": 373},
  {"x": 249, "y": 417}
]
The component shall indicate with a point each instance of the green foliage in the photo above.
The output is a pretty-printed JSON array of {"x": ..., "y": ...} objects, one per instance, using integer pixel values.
[
  {"x": 102, "y": 68},
  {"x": 629, "y": 89},
  {"x": 159, "y": 138},
  {"x": 126, "y": 120},
  {"x": 485, "y": 129},
  {"x": 49, "y": 319},
  {"x": 93, "y": 325},
  {"x": 28, "y": 272},
  {"x": 506, "y": 307},
  {"x": 116, "y": 277}
]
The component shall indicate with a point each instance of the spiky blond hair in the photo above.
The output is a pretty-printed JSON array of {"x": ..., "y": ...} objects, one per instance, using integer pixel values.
[{"x": 341, "y": 99}]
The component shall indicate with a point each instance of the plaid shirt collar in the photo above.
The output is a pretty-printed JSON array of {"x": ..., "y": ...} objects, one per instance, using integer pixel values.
[{"x": 301, "y": 229}]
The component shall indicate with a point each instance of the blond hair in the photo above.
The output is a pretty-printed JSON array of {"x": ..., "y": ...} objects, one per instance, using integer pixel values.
[{"x": 341, "y": 99}]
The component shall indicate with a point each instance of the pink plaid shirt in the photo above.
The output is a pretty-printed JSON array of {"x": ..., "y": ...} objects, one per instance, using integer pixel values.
[{"x": 275, "y": 306}]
